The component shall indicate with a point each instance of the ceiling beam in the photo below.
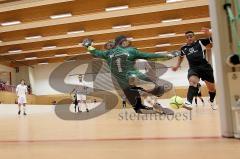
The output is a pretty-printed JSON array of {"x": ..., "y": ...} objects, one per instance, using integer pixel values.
[
  {"x": 23, "y": 4},
  {"x": 109, "y": 31},
  {"x": 105, "y": 15},
  {"x": 141, "y": 43}
]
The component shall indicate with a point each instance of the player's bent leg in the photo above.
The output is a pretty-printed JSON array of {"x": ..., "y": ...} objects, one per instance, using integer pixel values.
[
  {"x": 212, "y": 93},
  {"x": 24, "y": 109},
  {"x": 79, "y": 106},
  {"x": 85, "y": 102},
  {"x": 19, "y": 108},
  {"x": 193, "y": 80},
  {"x": 132, "y": 80},
  {"x": 196, "y": 101},
  {"x": 158, "y": 90},
  {"x": 134, "y": 98},
  {"x": 192, "y": 91},
  {"x": 203, "y": 103},
  {"x": 210, "y": 86}
]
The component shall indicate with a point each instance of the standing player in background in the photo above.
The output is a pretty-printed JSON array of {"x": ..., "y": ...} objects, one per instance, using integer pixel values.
[
  {"x": 199, "y": 68},
  {"x": 124, "y": 101},
  {"x": 80, "y": 97},
  {"x": 83, "y": 97},
  {"x": 21, "y": 92},
  {"x": 75, "y": 102},
  {"x": 199, "y": 95}
]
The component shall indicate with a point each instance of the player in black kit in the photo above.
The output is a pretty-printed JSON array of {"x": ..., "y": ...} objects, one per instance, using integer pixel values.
[{"x": 199, "y": 68}]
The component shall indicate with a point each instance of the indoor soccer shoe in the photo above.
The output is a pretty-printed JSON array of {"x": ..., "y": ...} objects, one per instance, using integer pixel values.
[
  {"x": 146, "y": 111},
  {"x": 212, "y": 105},
  {"x": 158, "y": 108},
  {"x": 187, "y": 105}
]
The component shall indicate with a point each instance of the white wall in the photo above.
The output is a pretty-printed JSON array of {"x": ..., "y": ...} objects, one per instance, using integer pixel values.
[
  {"x": 40, "y": 74},
  {"x": 23, "y": 74},
  {"x": 73, "y": 79},
  {"x": 39, "y": 77}
]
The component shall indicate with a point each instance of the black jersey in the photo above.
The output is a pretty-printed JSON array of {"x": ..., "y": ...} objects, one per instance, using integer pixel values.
[
  {"x": 196, "y": 52},
  {"x": 199, "y": 87}
]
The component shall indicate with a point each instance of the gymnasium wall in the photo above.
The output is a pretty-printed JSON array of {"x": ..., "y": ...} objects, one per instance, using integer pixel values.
[
  {"x": 39, "y": 78},
  {"x": 22, "y": 73},
  {"x": 44, "y": 94},
  {"x": 10, "y": 98},
  {"x": 9, "y": 69},
  {"x": 40, "y": 74}
]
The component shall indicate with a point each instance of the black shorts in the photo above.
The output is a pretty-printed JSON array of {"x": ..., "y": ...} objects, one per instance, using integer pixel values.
[
  {"x": 204, "y": 72},
  {"x": 199, "y": 94},
  {"x": 75, "y": 102}
]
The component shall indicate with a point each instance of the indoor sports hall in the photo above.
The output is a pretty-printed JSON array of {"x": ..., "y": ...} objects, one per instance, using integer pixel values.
[{"x": 115, "y": 79}]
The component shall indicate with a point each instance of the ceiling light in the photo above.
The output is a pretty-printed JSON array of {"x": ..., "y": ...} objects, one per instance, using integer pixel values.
[
  {"x": 161, "y": 52},
  {"x": 162, "y": 45},
  {"x": 167, "y": 35},
  {"x": 71, "y": 60},
  {"x": 60, "y": 55},
  {"x": 171, "y": 20},
  {"x": 15, "y": 51},
  {"x": 75, "y": 32},
  {"x": 30, "y": 58},
  {"x": 122, "y": 26},
  {"x": 61, "y": 16},
  {"x": 172, "y": 1},
  {"x": 116, "y": 8},
  {"x": 10, "y": 23},
  {"x": 130, "y": 38},
  {"x": 43, "y": 63},
  {"x": 33, "y": 37},
  {"x": 48, "y": 47}
]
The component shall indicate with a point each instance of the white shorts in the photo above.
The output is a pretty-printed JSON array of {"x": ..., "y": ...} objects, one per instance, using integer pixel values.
[
  {"x": 81, "y": 97},
  {"x": 22, "y": 100}
]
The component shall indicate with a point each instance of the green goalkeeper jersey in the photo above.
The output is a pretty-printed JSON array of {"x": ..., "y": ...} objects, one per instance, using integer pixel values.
[{"x": 122, "y": 60}]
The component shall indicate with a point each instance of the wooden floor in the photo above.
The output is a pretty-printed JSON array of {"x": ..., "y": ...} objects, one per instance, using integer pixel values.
[{"x": 41, "y": 134}]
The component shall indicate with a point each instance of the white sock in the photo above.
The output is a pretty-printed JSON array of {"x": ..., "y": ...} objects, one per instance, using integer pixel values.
[{"x": 24, "y": 109}]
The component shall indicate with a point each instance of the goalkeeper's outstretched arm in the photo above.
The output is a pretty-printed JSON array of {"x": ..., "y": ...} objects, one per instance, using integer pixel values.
[
  {"x": 157, "y": 56},
  {"x": 95, "y": 52}
]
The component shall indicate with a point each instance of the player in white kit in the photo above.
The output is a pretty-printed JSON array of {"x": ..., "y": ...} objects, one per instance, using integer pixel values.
[
  {"x": 81, "y": 92},
  {"x": 21, "y": 92}
]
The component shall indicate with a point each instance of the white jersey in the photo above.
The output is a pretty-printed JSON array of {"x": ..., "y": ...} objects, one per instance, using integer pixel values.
[
  {"x": 81, "y": 93},
  {"x": 21, "y": 90}
]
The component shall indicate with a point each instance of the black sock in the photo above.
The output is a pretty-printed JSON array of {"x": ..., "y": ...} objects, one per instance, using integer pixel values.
[
  {"x": 192, "y": 91},
  {"x": 195, "y": 100},
  {"x": 212, "y": 96}
]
